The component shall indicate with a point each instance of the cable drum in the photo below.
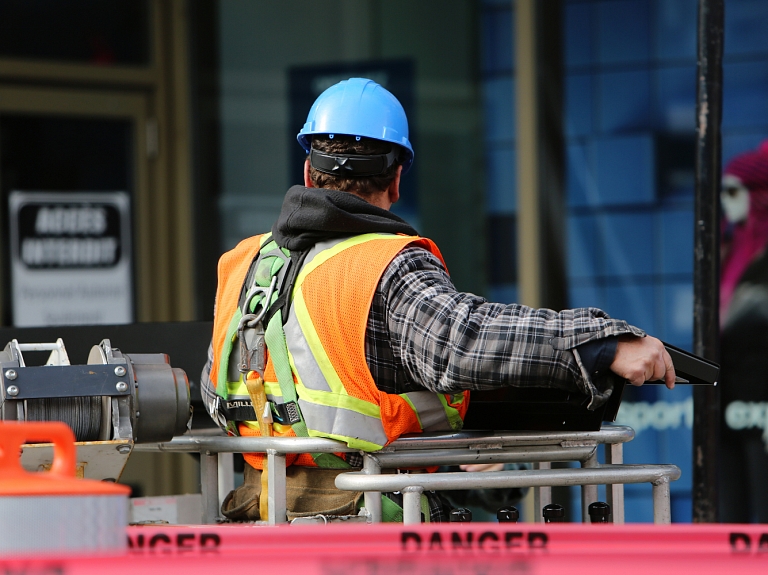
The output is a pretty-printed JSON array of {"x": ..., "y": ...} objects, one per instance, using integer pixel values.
[
  {"x": 82, "y": 414},
  {"x": 139, "y": 398}
]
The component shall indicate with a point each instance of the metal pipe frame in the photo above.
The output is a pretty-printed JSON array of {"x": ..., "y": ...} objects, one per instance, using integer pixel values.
[
  {"x": 226, "y": 444},
  {"x": 608, "y": 434},
  {"x": 658, "y": 475},
  {"x": 612, "y": 434},
  {"x": 415, "y": 458},
  {"x": 529, "y": 454},
  {"x": 541, "y": 448}
]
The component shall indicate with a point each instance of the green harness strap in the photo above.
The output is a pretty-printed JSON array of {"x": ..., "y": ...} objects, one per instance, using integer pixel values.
[{"x": 391, "y": 512}]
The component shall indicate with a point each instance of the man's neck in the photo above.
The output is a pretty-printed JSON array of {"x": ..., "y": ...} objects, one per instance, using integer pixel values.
[{"x": 378, "y": 199}]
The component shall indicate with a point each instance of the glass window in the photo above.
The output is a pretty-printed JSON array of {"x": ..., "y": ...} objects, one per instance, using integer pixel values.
[
  {"x": 114, "y": 33},
  {"x": 624, "y": 169},
  {"x": 675, "y": 30},
  {"x": 582, "y": 248},
  {"x": 745, "y": 85},
  {"x": 625, "y": 101},
  {"x": 500, "y": 180},
  {"x": 275, "y": 60},
  {"x": 745, "y": 24},
  {"x": 623, "y": 31},
  {"x": 578, "y": 105}
]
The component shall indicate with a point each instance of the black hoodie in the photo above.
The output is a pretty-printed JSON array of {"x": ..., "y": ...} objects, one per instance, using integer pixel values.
[{"x": 311, "y": 215}]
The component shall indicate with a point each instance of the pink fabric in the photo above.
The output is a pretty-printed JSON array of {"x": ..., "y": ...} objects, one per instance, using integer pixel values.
[{"x": 748, "y": 238}]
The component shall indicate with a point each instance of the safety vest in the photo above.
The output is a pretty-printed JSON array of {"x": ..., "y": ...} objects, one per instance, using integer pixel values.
[{"x": 325, "y": 336}]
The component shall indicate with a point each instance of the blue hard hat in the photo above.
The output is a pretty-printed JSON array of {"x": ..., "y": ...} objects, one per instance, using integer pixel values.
[{"x": 359, "y": 107}]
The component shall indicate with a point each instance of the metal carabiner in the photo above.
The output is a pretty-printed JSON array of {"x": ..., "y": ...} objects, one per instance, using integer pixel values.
[{"x": 254, "y": 318}]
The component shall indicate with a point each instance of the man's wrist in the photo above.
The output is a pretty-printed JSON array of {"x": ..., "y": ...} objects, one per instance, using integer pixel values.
[{"x": 597, "y": 355}]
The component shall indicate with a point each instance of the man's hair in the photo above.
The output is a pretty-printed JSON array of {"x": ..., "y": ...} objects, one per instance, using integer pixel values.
[{"x": 341, "y": 144}]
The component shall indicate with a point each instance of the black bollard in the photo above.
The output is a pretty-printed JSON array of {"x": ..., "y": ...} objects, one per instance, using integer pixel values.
[
  {"x": 599, "y": 512},
  {"x": 461, "y": 515},
  {"x": 508, "y": 515},
  {"x": 553, "y": 513}
]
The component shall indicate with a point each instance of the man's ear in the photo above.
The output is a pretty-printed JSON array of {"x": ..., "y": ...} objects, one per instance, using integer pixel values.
[
  {"x": 393, "y": 191},
  {"x": 307, "y": 179}
]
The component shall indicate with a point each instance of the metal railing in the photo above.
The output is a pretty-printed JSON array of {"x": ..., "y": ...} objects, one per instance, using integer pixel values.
[{"x": 539, "y": 448}]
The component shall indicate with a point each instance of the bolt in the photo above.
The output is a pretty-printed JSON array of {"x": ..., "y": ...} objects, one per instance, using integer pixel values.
[
  {"x": 121, "y": 386},
  {"x": 123, "y": 449},
  {"x": 119, "y": 371},
  {"x": 11, "y": 374},
  {"x": 12, "y": 390}
]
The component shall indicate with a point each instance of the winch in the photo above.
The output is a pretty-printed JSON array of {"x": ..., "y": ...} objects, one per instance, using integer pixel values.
[{"x": 113, "y": 402}]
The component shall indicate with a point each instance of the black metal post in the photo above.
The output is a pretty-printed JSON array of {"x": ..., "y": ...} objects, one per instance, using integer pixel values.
[{"x": 706, "y": 290}]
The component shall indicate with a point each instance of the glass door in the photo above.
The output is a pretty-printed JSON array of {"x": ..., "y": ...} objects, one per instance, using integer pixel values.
[{"x": 73, "y": 182}]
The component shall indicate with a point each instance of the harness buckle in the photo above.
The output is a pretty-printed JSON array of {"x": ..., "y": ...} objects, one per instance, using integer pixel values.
[
  {"x": 286, "y": 413},
  {"x": 253, "y": 349},
  {"x": 250, "y": 330}
]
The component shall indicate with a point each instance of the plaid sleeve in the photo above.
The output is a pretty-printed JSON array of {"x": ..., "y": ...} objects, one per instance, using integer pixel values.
[{"x": 449, "y": 341}]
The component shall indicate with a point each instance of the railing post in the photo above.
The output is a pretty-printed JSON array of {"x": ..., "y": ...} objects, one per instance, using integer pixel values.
[
  {"x": 588, "y": 492},
  {"x": 662, "y": 510},
  {"x": 209, "y": 486},
  {"x": 372, "y": 498},
  {"x": 412, "y": 505},
  {"x": 541, "y": 495},
  {"x": 276, "y": 487},
  {"x": 614, "y": 455},
  {"x": 226, "y": 475}
]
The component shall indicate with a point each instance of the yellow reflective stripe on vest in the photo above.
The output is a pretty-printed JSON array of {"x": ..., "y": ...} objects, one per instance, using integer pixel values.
[
  {"x": 272, "y": 389},
  {"x": 323, "y": 383},
  {"x": 454, "y": 419},
  {"x": 337, "y": 423},
  {"x": 301, "y": 353},
  {"x": 429, "y": 409},
  {"x": 327, "y": 254},
  {"x": 237, "y": 388}
]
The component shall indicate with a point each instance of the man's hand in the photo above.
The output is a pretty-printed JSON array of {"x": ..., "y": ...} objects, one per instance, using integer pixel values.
[{"x": 641, "y": 359}]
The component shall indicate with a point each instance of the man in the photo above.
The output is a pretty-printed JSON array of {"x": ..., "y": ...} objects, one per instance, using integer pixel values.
[{"x": 368, "y": 339}]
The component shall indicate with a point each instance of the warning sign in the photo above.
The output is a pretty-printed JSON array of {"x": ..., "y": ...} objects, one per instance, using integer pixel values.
[{"x": 70, "y": 258}]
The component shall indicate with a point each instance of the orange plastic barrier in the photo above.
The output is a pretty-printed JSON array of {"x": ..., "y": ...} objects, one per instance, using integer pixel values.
[{"x": 478, "y": 548}]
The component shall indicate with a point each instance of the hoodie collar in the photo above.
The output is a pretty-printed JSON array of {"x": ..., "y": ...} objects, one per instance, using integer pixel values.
[{"x": 311, "y": 215}]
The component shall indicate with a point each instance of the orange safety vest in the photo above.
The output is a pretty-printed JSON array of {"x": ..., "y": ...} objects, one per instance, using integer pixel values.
[{"x": 325, "y": 335}]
